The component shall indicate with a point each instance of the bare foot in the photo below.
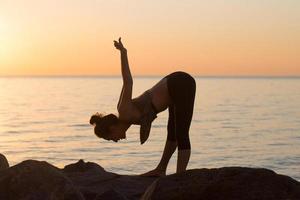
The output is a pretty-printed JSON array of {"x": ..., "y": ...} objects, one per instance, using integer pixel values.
[{"x": 155, "y": 173}]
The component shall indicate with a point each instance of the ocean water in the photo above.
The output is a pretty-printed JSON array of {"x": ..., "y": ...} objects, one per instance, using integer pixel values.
[{"x": 253, "y": 122}]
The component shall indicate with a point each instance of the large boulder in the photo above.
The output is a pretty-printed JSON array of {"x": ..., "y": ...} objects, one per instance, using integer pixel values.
[
  {"x": 87, "y": 172},
  {"x": 90, "y": 178},
  {"x": 234, "y": 183},
  {"x": 36, "y": 180},
  {"x": 95, "y": 183},
  {"x": 111, "y": 195},
  {"x": 3, "y": 162}
]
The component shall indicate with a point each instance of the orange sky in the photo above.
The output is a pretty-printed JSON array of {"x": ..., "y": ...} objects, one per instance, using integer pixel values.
[{"x": 74, "y": 37}]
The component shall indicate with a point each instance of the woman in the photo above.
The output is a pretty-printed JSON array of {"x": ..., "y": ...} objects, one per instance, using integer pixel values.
[{"x": 176, "y": 92}]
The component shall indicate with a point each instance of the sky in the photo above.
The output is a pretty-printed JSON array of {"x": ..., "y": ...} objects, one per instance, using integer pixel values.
[{"x": 205, "y": 38}]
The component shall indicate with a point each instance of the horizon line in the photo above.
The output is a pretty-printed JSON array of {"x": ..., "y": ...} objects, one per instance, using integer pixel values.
[{"x": 147, "y": 76}]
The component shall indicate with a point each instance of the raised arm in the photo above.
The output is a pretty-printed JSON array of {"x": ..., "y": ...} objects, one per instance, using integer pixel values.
[{"x": 126, "y": 94}]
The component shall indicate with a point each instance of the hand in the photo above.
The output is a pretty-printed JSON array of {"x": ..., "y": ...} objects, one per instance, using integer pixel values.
[
  {"x": 119, "y": 45},
  {"x": 155, "y": 172}
]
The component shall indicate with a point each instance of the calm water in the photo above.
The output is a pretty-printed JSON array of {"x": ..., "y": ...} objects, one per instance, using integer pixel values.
[{"x": 237, "y": 122}]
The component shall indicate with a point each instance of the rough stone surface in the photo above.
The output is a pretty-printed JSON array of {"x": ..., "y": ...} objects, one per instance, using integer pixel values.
[
  {"x": 3, "y": 162},
  {"x": 96, "y": 183},
  {"x": 234, "y": 183},
  {"x": 35, "y": 180},
  {"x": 111, "y": 195}
]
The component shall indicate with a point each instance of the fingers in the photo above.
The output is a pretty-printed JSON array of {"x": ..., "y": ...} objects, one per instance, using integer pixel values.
[{"x": 118, "y": 44}]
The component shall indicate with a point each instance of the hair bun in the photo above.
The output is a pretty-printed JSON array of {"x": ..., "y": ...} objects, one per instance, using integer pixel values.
[{"x": 95, "y": 119}]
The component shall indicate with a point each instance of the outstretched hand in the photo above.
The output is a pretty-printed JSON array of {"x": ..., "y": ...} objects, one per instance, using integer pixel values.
[{"x": 119, "y": 45}]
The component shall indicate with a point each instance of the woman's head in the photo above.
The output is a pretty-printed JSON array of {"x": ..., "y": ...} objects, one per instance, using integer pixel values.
[{"x": 103, "y": 125}]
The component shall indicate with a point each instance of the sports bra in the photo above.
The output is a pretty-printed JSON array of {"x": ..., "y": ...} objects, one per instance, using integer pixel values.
[{"x": 149, "y": 113}]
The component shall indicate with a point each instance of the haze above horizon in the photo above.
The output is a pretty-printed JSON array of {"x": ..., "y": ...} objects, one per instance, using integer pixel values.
[{"x": 206, "y": 38}]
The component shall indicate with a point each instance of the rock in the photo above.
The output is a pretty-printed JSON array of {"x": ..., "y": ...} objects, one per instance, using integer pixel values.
[
  {"x": 3, "y": 162},
  {"x": 94, "y": 182},
  {"x": 225, "y": 183},
  {"x": 111, "y": 195},
  {"x": 90, "y": 179},
  {"x": 82, "y": 166},
  {"x": 132, "y": 186},
  {"x": 36, "y": 180},
  {"x": 86, "y": 174}
]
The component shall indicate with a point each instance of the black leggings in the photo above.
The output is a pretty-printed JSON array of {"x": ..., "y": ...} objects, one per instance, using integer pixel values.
[{"x": 182, "y": 88}]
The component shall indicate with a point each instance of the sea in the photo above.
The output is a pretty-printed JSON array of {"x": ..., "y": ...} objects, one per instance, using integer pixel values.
[{"x": 237, "y": 121}]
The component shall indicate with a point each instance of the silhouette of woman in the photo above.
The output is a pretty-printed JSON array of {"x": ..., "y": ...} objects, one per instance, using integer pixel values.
[{"x": 175, "y": 91}]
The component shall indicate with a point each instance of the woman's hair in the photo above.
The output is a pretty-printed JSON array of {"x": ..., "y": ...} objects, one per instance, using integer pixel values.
[{"x": 102, "y": 124}]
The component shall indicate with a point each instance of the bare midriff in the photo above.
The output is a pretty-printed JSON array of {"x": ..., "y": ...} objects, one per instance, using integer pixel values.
[{"x": 160, "y": 95}]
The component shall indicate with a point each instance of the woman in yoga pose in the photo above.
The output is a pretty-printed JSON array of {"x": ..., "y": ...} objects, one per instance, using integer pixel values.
[{"x": 175, "y": 91}]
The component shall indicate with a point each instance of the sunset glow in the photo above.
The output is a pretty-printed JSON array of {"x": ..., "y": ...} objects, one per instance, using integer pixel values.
[{"x": 201, "y": 37}]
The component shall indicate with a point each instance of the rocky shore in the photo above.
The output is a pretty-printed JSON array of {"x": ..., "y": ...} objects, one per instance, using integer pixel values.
[{"x": 37, "y": 180}]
